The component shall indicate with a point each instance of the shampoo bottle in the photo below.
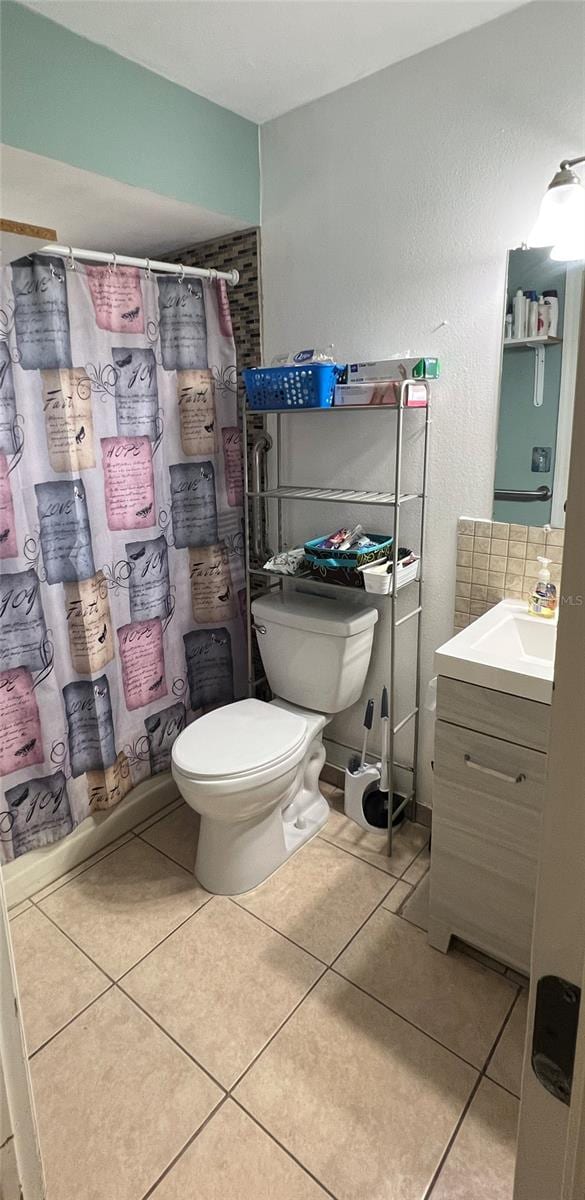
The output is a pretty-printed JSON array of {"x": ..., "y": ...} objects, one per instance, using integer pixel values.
[
  {"x": 551, "y": 299},
  {"x": 519, "y": 310},
  {"x": 543, "y": 601}
]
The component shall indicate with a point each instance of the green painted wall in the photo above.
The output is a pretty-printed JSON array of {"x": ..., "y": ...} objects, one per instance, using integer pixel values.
[{"x": 75, "y": 101}]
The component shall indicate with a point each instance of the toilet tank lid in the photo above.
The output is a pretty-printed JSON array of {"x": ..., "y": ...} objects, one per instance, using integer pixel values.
[
  {"x": 314, "y": 614},
  {"x": 238, "y": 739}
]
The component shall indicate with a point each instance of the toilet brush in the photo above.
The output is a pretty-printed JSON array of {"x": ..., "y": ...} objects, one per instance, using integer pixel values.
[
  {"x": 376, "y": 803},
  {"x": 357, "y": 764}
]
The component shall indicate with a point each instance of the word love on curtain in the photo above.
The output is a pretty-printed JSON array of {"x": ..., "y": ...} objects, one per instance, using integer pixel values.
[{"x": 121, "y": 547}]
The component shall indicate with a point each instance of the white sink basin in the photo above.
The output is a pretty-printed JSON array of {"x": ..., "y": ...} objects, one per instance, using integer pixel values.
[{"x": 507, "y": 649}]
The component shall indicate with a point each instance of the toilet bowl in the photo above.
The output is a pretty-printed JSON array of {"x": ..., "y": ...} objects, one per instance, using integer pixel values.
[{"x": 251, "y": 769}]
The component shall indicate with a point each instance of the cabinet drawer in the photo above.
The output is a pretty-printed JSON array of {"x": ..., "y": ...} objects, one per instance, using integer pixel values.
[
  {"x": 477, "y": 764},
  {"x": 512, "y": 718}
]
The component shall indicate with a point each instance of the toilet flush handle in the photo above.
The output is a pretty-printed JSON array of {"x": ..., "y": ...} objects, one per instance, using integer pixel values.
[{"x": 259, "y": 628}]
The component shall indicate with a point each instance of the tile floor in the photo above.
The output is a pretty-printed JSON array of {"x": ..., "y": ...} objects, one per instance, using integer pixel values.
[{"x": 303, "y": 1041}]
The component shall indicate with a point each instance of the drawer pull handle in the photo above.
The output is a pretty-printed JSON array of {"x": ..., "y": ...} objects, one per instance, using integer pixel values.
[{"x": 490, "y": 771}]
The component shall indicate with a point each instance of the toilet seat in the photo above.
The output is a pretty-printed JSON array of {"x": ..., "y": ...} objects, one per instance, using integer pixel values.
[{"x": 239, "y": 741}]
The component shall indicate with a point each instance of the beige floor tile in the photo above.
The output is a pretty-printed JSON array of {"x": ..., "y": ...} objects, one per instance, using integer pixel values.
[
  {"x": 156, "y": 816},
  {"x": 124, "y": 905},
  {"x": 233, "y": 1159},
  {"x": 222, "y": 985},
  {"x": 451, "y": 997},
  {"x": 81, "y": 867},
  {"x": 176, "y": 835},
  {"x": 342, "y": 831},
  {"x": 347, "y": 1087},
  {"x": 55, "y": 979},
  {"x": 17, "y": 909},
  {"x": 400, "y": 892},
  {"x": 481, "y": 1163},
  {"x": 506, "y": 1064},
  {"x": 318, "y": 898},
  {"x": 416, "y": 909},
  {"x": 116, "y": 1101},
  {"x": 418, "y": 869}
]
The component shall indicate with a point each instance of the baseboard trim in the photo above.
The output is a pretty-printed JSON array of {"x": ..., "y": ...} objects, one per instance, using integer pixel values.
[{"x": 28, "y": 874}]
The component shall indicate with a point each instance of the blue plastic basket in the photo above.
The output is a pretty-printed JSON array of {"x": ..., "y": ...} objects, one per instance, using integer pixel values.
[{"x": 307, "y": 386}]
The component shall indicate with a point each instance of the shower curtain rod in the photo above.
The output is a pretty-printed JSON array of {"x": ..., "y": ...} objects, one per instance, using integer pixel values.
[{"x": 148, "y": 264}]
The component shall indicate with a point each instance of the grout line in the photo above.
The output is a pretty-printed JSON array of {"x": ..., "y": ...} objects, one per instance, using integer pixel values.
[
  {"x": 83, "y": 1010},
  {"x": 188, "y": 1143},
  {"x": 173, "y": 1039},
  {"x": 286, "y": 936},
  {"x": 87, "y": 867},
  {"x": 360, "y": 927},
  {"x": 283, "y": 1147},
  {"x": 358, "y": 858},
  {"x": 164, "y": 939},
  {"x": 277, "y": 1031},
  {"x": 73, "y": 943},
  {"x": 471, "y": 1098},
  {"x": 367, "y": 861},
  {"x": 453, "y": 1138},
  {"x": 505, "y": 1024},
  {"x": 165, "y": 854},
  {"x": 407, "y": 1020}
]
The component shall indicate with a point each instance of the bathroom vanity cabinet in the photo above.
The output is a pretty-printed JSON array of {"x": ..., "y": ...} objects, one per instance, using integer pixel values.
[{"x": 490, "y": 764}]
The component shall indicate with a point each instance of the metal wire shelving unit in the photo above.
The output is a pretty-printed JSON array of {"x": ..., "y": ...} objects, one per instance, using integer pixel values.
[{"x": 259, "y": 580}]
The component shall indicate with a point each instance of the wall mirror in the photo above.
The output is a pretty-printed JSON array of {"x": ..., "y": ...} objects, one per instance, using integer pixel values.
[{"x": 537, "y": 387}]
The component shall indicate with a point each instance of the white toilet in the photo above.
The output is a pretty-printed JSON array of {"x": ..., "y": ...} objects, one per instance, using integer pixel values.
[{"x": 251, "y": 769}]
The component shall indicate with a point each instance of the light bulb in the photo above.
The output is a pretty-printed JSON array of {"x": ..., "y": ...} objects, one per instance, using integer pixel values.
[{"x": 561, "y": 221}]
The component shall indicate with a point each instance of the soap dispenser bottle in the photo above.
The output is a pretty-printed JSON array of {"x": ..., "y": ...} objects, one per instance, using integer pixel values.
[{"x": 543, "y": 601}]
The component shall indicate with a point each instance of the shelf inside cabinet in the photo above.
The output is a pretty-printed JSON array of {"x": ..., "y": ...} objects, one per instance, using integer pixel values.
[
  {"x": 335, "y": 495},
  {"x": 530, "y": 343}
]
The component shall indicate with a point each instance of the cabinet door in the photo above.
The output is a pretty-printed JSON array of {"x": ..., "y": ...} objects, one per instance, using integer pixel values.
[{"x": 486, "y": 824}]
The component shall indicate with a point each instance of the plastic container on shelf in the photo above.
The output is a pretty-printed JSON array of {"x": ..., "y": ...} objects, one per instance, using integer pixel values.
[
  {"x": 378, "y": 579},
  {"x": 308, "y": 385},
  {"x": 355, "y": 556}
]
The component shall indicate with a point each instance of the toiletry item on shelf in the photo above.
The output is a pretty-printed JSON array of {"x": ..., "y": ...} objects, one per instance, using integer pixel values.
[
  {"x": 342, "y": 540},
  {"x": 299, "y": 357},
  {"x": 378, "y": 576},
  {"x": 543, "y": 317},
  {"x": 287, "y": 562},
  {"x": 508, "y": 326},
  {"x": 533, "y": 316},
  {"x": 370, "y": 392},
  {"x": 519, "y": 308},
  {"x": 551, "y": 299},
  {"x": 543, "y": 601},
  {"x": 393, "y": 368}
]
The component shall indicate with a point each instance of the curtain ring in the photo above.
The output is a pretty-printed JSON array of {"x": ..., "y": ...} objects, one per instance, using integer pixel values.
[
  {"x": 114, "y": 262},
  {"x": 55, "y": 274},
  {"x": 71, "y": 260},
  {"x": 182, "y": 275},
  {"x": 148, "y": 270}
]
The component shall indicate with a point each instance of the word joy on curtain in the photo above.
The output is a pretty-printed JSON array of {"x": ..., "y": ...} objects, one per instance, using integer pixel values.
[{"x": 121, "y": 545}]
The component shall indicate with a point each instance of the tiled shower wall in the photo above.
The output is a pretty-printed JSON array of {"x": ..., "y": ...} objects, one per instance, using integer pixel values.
[
  {"x": 497, "y": 560},
  {"x": 242, "y": 251}
]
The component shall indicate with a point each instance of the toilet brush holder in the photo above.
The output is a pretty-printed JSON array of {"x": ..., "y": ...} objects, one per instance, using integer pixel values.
[{"x": 357, "y": 785}]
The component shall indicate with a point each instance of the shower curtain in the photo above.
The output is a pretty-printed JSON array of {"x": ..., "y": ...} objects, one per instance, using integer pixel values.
[{"x": 121, "y": 545}]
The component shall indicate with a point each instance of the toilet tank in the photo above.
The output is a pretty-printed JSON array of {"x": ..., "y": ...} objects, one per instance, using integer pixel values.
[{"x": 315, "y": 650}]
